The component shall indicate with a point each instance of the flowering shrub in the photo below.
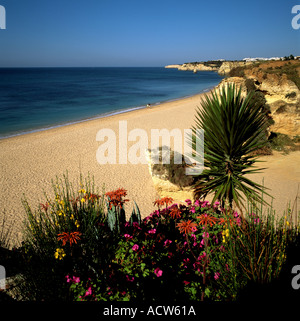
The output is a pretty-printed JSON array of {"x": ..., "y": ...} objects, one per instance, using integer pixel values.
[
  {"x": 79, "y": 246},
  {"x": 170, "y": 254},
  {"x": 196, "y": 251}
]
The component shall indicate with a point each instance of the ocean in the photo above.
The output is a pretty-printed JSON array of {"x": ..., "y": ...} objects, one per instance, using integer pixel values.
[{"x": 33, "y": 99}]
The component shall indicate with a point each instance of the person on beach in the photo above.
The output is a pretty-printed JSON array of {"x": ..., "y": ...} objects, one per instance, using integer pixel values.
[{"x": 148, "y": 105}]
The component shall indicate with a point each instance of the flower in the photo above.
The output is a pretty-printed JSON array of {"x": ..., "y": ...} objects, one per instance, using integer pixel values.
[
  {"x": 71, "y": 237},
  {"x": 197, "y": 203},
  {"x": 152, "y": 231},
  {"x": 158, "y": 272},
  {"x": 167, "y": 242},
  {"x": 116, "y": 197},
  {"x": 74, "y": 279},
  {"x": 83, "y": 191},
  {"x": 205, "y": 219},
  {"x": 193, "y": 210},
  {"x": 217, "y": 275},
  {"x": 89, "y": 291},
  {"x": 135, "y": 247},
  {"x": 59, "y": 254},
  {"x": 128, "y": 236},
  {"x": 205, "y": 235},
  {"x": 129, "y": 279},
  {"x": 165, "y": 200},
  {"x": 44, "y": 206},
  {"x": 187, "y": 227},
  {"x": 175, "y": 212},
  {"x": 188, "y": 201}
]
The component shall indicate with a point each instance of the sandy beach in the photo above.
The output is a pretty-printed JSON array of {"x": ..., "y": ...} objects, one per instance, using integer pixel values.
[{"x": 29, "y": 162}]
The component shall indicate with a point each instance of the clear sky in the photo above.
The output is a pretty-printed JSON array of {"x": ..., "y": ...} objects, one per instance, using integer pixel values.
[{"x": 48, "y": 33}]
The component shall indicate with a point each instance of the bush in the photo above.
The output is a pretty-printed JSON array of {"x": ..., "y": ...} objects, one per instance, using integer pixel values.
[
  {"x": 79, "y": 246},
  {"x": 76, "y": 231}
]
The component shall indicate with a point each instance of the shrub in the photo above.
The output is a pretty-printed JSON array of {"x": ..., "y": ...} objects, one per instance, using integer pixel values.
[
  {"x": 75, "y": 231},
  {"x": 192, "y": 252}
]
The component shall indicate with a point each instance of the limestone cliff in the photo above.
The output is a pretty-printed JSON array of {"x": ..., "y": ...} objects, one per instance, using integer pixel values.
[{"x": 278, "y": 81}]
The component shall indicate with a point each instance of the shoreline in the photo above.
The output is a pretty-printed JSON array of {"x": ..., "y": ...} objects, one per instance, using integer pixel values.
[
  {"x": 108, "y": 114},
  {"x": 31, "y": 161}
]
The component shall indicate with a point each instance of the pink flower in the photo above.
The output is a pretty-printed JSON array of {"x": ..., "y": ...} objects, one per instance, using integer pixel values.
[
  {"x": 205, "y": 235},
  {"x": 158, "y": 272},
  {"x": 188, "y": 201},
  {"x": 89, "y": 291},
  {"x": 193, "y": 209},
  {"x": 152, "y": 231},
  {"x": 129, "y": 279},
  {"x": 76, "y": 279},
  {"x": 135, "y": 247},
  {"x": 216, "y": 276},
  {"x": 127, "y": 236},
  {"x": 197, "y": 203},
  {"x": 167, "y": 242},
  {"x": 186, "y": 282},
  {"x": 205, "y": 204}
]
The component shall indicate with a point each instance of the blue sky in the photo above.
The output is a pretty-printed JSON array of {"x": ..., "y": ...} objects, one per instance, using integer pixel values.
[{"x": 48, "y": 33}]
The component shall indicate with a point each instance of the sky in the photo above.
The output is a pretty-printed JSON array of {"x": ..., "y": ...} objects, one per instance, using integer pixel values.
[{"x": 105, "y": 33}]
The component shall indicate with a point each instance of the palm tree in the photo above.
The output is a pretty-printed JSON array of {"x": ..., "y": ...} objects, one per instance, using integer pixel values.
[{"x": 233, "y": 128}]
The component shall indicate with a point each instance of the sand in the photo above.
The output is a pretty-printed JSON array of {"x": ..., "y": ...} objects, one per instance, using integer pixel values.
[{"x": 29, "y": 162}]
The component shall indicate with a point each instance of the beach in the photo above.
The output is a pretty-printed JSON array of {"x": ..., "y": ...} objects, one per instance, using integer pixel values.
[{"x": 29, "y": 162}]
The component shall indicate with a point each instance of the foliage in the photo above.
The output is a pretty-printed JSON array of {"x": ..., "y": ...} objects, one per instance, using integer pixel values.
[
  {"x": 191, "y": 251},
  {"x": 234, "y": 127},
  {"x": 77, "y": 230},
  {"x": 196, "y": 251}
]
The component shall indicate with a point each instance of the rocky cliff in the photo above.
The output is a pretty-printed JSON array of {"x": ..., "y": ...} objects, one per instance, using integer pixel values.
[
  {"x": 222, "y": 67},
  {"x": 279, "y": 82}
]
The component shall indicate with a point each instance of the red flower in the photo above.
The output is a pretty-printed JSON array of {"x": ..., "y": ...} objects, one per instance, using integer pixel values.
[
  {"x": 175, "y": 212},
  {"x": 187, "y": 227},
  {"x": 71, "y": 237},
  {"x": 164, "y": 201},
  {"x": 207, "y": 219},
  {"x": 44, "y": 206},
  {"x": 116, "y": 197}
]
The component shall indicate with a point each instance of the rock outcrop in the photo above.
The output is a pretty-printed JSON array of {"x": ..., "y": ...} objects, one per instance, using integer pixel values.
[{"x": 281, "y": 93}]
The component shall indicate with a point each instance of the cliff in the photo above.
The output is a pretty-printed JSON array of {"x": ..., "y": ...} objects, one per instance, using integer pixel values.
[
  {"x": 222, "y": 67},
  {"x": 198, "y": 66},
  {"x": 279, "y": 82}
]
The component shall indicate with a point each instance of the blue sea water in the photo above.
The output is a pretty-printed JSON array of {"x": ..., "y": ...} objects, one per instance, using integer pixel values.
[{"x": 39, "y": 98}]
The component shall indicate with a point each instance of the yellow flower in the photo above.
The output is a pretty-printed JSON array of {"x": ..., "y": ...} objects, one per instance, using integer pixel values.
[
  {"x": 287, "y": 223},
  {"x": 77, "y": 224},
  {"x": 72, "y": 217},
  {"x": 82, "y": 200},
  {"x": 59, "y": 254},
  {"x": 82, "y": 191}
]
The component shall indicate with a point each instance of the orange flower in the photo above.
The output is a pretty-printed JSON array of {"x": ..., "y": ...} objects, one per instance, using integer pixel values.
[
  {"x": 175, "y": 212},
  {"x": 207, "y": 219},
  {"x": 72, "y": 237},
  {"x": 116, "y": 197},
  {"x": 187, "y": 227},
  {"x": 44, "y": 206},
  {"x": 164, "y": 201}
]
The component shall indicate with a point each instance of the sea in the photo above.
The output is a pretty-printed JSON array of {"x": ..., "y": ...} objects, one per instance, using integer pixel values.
[{"x": 35, "y": 99}]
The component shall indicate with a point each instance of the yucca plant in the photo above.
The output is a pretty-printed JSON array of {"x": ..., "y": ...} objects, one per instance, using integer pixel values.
[{"x": 233, "y": 128}]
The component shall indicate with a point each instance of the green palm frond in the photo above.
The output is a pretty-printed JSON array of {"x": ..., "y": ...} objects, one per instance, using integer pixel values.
[{"x": 233, "y": 128}]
